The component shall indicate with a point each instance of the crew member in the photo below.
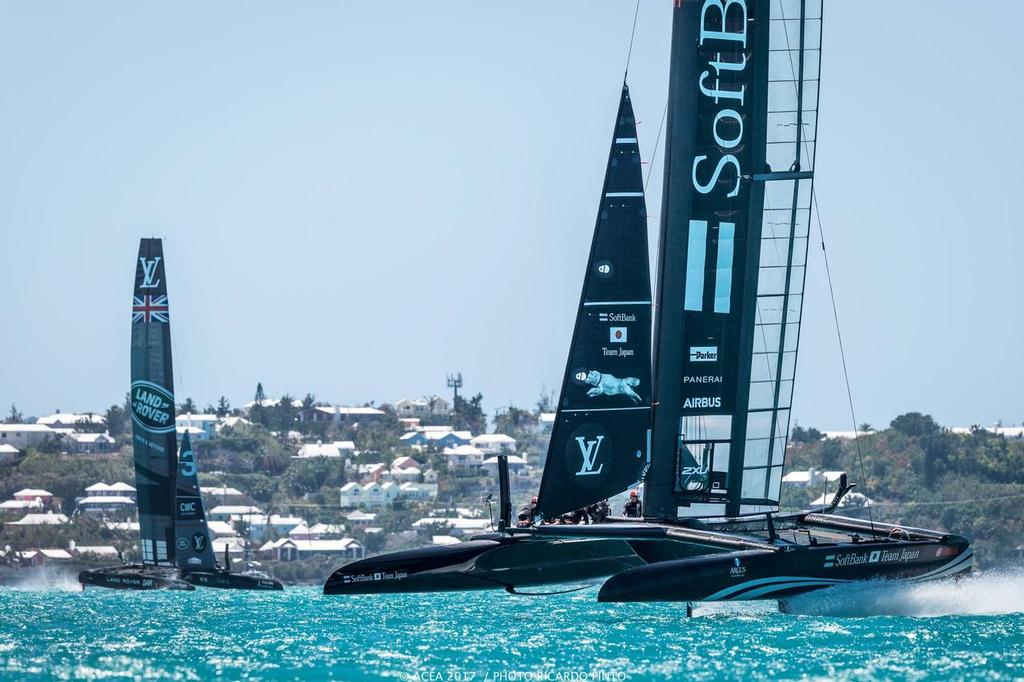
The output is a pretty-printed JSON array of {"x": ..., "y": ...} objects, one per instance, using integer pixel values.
[
  {"x": 634, "y": 508},
  {"x": 527, "y": 513},
  {"x": 599, "y": 511},
  {"x": 577, "y": 517}
]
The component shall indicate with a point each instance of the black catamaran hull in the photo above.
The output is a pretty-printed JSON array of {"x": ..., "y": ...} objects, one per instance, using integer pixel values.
[
  {"x": 134, "y": 577},
  {"x": 546, "y": 555},
  {"x": 231, "y": 581},
  {"x": 750, "y": 575},
  {"x": 498, "y": 562}
]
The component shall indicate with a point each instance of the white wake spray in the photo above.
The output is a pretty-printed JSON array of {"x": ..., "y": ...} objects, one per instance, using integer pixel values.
[{"x": 991, "y": 593}]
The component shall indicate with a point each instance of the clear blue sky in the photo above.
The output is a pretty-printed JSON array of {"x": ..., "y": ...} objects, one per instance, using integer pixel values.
[{"x": 357, "y": 198}]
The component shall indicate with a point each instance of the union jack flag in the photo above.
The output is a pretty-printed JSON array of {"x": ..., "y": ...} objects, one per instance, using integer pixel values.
[{"x": 149, "y": 309}]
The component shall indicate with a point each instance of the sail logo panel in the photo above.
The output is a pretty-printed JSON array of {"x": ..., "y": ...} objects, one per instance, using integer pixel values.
[
  {"x": 598, "y": 443},
  {"x": 717, "y": 232},
  {"x": 192, "y": 537}
]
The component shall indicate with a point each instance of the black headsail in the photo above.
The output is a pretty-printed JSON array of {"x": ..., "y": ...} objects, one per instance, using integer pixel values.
[
  {"x": 192, "y": 537},
  {"x": 152, "y": 405},
  {"x": 739, "y": 160},
  {"x": 600, "y": 441}
]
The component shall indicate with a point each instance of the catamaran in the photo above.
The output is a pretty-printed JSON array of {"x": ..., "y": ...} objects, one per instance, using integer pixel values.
[
  {"x": 700, "y": 412},
  {"x": 176, "y": 549},
  {"x": 195, "y": 556},
  {"x": 154, "y": 438}
]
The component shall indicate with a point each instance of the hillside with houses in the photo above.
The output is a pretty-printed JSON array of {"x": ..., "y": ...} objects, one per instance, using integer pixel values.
[{"x": 301, "y": 486}]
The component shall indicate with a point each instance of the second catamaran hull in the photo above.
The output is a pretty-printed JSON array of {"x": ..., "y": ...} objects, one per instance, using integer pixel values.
[
  {"x": 134, "y": 577},
  {"x": 231, "y": 581},
  {"x": 504, "y": 562},
  {"x": 750, "y": 575}
]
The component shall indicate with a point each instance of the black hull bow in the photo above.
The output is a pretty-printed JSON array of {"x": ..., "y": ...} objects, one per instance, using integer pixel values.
[{"x": 134, "y": 577}]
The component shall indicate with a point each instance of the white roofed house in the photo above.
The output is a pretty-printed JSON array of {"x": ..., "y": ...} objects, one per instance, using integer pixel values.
[
  {"x": 328, "y": 413},
  {"x": 22, "y": 436},
  {"x": 338, "y": 448},
  {"x": 37, "y": 497},
  {"x": 360, "y": 519},
  {"x": 516, "y": 465},
  {"x": 115, "y": 505},
  {"x": 207, "y": 423},
  {"x": 464, "y": 456},
  {"x": 432, "y": 406},
  {"x": 494, "y": 443},
  {"x": 68, "y": 420},
  {"x": 47, "y": 519},
  {"x": 233, "y": 512},
  {"x": 456, "y": 525},
  {"x": 292, "y": 549},
  {"x": 8, "y": 453},
  {"x": 88, "y": 443},
  {"x": 222, "y": 494}
]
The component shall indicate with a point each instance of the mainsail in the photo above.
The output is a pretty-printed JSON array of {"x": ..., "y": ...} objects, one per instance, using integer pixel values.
[
  {"x": 739, "y": 163},
  {"x": 192, "y": 538},
  {"x": 152, "y": 405},
  {"x": 601, "y": 436}
]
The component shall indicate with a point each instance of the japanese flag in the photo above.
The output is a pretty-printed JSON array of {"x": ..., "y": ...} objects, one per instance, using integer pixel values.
[{"x": 617, "y": 334}]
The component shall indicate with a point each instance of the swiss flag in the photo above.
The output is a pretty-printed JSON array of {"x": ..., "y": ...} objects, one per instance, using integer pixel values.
[{"x": 617, "y": 334}]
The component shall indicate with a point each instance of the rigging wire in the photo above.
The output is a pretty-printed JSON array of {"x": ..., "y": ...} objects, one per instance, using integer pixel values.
[
  {"x": 657, "y": 141},
  {"x": 632, "y": 36},
  {"x": 842, "y": 352}
]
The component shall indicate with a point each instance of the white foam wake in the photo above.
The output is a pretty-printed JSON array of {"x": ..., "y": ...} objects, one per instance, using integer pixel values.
[{"x": 990, "y": 593}]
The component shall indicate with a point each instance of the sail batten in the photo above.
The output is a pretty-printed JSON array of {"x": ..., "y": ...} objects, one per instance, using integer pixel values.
[{"x": 599, "y": 443}]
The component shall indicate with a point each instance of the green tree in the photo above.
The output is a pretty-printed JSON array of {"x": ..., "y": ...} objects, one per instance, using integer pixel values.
[
  {"x": 914, "y": 424},
  {"x": 116, "y": 420},
  {"x": 546, "y": 401},
  {"x": 187, "y": 407},
  {"x": 468, "y": 415},
  {"x": 223, "y": 408},
  {"x": 515, "y": 422},
  {"x": 802, "y": 435},
  {"x": 15, "y": 417}
]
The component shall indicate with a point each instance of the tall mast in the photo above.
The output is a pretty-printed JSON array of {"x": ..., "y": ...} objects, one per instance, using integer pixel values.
[{"x": 733, "y": 249}]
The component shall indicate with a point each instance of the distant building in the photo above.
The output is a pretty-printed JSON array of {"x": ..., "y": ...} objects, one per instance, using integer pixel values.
[
  {"x": 456, "y": 525},
  {"x": 464, "y": 456},
  {"x": 494, "y": 443},
  {"x": 88, "y": 443},
  {"x": 47, "y": 519},
  {"x": 810, "y": 478},
  {"x": 42, "y": 497},
  {"x": 439, "y": 438},
  {"x": 194, "y": 432},
  {"x": 360, "y": 519},
  {"x": 42, "y": 557},
  {"x": 93, "y": 551},
  {"x": 121, "y": 506},
  {"x": 422, "y": 407},
  {"x": 118, "y": 489},
  {"x": 8, "y": 453},
  {"x": 329, "y": 414},
  {"x": 292, "y": 549},
  {"x": 375, "y": 495},
  {"x": 218, "y": 495},
  {"x": 22, "y": 436},
  {"x": 207, "y": 423},
  {"x": 62, "y": 420},
  {"x": 338, "y": 448},
  {"x": 516, "y": 466},
  {"x": 233, "y": 512}
]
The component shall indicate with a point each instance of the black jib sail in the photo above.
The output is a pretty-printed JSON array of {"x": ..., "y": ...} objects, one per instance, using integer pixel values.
[
  {"x": 600, "y": 440},
  {"x": 192, "y": 538},
  {"x": 739, "y": 161},
  {"x": 152, "y": 406}
]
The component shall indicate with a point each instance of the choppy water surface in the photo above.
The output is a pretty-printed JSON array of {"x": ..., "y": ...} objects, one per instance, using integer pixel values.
[{"x": 974, "y": 629}]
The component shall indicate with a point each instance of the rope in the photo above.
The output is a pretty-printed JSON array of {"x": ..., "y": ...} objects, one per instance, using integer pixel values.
[
  {"x": 632, "y": 36},
  {"x": 657, "y": 141},
  {"x": 842, "y": 353}
]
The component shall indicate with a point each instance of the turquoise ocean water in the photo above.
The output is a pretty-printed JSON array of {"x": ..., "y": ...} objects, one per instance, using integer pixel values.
[{"x": 974, "y": 629}]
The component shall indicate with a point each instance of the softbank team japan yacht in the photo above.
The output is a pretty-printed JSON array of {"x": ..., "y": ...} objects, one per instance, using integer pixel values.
[{"x": 708, "y": 443}]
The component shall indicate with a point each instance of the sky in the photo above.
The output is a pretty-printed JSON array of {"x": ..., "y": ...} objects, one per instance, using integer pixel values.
[{"x": 357, "y": 198}]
